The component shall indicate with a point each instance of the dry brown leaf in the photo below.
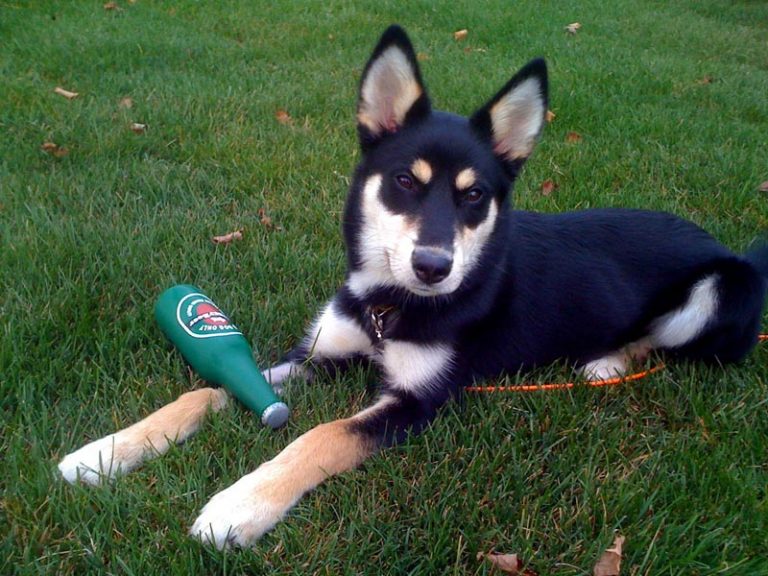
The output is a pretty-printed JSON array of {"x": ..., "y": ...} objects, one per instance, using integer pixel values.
[
  {"x": 763, "y": 187},
  {"x": 422, "y": 56},
  {"x": 548, "y": 186},
  {"x": 283, "y": 117},
  {"x": 111, "y": 6},
  {"x": 126, "y": 102},
  {"x": 508, "y": 563},
  {"x": 609, "y": 564},
  {"x": 227, "y": 238},
  {"x": 460, "y": 34},
  {"x": 266, "y": 221},
  {"x": 54, "y": 149},
  {"x": 573, "y": 137},
  {"x": 66, "y": 93},
  {"x": 550, "y": 117},
  {"x": 138, "y": 128},
  {"x": 573, "y": 28},
  {"x": 705, "y": 80}
]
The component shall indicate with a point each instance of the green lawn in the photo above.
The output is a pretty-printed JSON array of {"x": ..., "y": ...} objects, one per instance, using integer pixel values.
[{"x": 670, "y": 101}]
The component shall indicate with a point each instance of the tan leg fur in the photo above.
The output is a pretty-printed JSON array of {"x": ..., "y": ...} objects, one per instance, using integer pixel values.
[
  {"x": 123, "y": 451},
  {"x": 253, "y": 505}
]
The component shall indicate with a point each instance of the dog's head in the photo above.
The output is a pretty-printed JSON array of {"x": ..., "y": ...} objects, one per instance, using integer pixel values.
[{"x": 431, "y": 187}]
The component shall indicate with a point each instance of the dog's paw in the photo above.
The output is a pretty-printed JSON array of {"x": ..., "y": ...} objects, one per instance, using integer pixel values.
[
  {"x": 100, "y": 461},
  {"x": 610, "y": 366},
  {"x": 242, "y": 513},
  {"x": 92, "y": 464}
]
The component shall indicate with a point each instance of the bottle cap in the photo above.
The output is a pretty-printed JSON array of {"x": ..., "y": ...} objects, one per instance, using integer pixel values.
[{"x": 275, "y": 415}]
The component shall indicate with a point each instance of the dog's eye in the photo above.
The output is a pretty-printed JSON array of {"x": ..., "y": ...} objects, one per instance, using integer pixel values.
[
  {"x": 404, "y": 181},
  {"x": 473, "y": 195}
]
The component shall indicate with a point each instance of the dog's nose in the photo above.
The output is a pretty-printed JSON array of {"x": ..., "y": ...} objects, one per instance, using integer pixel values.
[{"x": 431, "y": 265}]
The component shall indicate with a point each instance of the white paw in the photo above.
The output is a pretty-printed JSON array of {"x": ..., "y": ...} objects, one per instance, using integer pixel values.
[
  {"x": 93, "y": 463},
  {"x": 277, "y": 375},
  {"x": 102, "y": 459},
  {"x": 242, "y": 513},
  {"x": 610, "y": 366}
]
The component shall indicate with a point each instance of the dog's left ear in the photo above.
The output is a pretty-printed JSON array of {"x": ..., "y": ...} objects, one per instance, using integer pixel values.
[
  {"x": 513, "y": 119},
  {"x": 392, "y": 93}
]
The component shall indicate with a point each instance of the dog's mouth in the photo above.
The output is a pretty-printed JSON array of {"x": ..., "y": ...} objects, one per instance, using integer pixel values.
[{"x": 426, "y": 291}]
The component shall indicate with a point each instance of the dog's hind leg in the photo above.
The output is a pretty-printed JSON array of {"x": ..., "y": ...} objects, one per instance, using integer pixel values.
[
  {"x": 617, "y": 363},
  {"x": 720, "y": 320},
  {"x": 121, "y": 452}
]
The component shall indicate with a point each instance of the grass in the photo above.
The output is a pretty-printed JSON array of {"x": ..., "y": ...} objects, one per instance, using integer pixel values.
[{"x": 670, "y": 100}]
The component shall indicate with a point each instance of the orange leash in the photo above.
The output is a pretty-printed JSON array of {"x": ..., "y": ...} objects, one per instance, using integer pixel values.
[{"x": 567, "y": 385}]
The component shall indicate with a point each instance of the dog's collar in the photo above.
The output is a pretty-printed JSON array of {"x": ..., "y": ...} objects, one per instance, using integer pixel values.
[{"x": 377, "y": 317}]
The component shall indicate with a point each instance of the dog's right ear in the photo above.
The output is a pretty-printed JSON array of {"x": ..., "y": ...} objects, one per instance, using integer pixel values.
[{"x": 392, "y": 93}]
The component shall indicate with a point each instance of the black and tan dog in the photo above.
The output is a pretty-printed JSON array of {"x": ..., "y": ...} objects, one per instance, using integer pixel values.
[{"x": 446, "y": 284}]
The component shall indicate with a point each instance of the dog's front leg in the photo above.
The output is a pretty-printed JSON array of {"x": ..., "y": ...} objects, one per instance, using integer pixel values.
[
  {"x": 335, "y": 336},
  {"x": 121, "y": 452},
  {"x": 242, "y": 513},
  {"x": 418, "y": 381}
]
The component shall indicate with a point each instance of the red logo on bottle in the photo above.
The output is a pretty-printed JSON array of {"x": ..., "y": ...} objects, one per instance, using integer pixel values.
[{"x": 201, "y": 318}]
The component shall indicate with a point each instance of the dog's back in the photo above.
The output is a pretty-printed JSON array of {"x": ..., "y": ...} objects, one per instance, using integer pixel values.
[{"x": 580, "y": 285}]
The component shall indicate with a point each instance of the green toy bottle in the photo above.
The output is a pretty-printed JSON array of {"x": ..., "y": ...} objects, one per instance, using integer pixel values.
[{"x": 217, "y": 350}]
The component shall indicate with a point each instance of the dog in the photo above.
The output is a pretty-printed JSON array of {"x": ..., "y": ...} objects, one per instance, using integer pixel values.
[{"x": 446, "y": 284}]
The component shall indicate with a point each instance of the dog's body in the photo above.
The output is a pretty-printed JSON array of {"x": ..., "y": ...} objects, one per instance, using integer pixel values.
[{"x": 446, "y": 285}]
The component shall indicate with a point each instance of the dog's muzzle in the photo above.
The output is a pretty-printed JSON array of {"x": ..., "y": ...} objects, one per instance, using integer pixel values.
[{"x": 430, "y": 264}]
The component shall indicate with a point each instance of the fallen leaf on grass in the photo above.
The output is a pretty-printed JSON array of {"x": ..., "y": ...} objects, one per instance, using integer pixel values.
[
  {"x": 422, "y": 56},
  {"x": 573, "y": 28},
  {"x": 266, "y": 221},
  {"x": 508, "y": 563},
  {"x": 54, "y": 149},
  {"x": 550, "y": 117},
  {"x": 573, "y": 137},
  {"x": 66, "y": 93},
  {"x": 111, "y": 6},
  {"x": 283, "y": 117},
  {"x": 460, "y": 34},
  {"x": 138, "y": 128},
  {"x": 763, "y": 187},
  {"x": 126, "y": 102},
  {"x": 548, "y": 186},
  {"x": 609, "y": 564},
  {"x": 227, "y": 238},
  {"x": 705, "y": 80}
]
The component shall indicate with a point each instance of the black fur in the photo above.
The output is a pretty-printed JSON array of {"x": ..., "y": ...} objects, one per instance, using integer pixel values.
[{"x": 546, "y": 288}]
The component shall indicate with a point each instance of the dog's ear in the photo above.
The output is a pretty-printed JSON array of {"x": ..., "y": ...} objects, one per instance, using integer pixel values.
[
  {"x": 392, "y": 93},
  {"x": 513, "y": 119}
]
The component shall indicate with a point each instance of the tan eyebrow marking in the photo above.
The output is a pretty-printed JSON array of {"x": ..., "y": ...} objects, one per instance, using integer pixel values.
[
  {"x": 465, "y": 179},
  {"x": 422, "y": 170}
]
